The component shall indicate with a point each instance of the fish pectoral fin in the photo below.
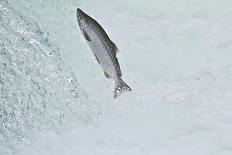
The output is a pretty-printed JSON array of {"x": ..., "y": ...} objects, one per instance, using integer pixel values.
[
  {"x": 86, "y": 36},
  {"x": 106, "y": 75},
  {"x": 115, "y": 48}
]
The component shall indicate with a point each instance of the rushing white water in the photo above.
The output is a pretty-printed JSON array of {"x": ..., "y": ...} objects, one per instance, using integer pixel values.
[
  {"x": 38, "y": 92},
  {"x": 176, "y": 56}
]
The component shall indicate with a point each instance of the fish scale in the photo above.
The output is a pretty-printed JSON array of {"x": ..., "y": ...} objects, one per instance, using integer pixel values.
[{"x": 103, "y": 49}]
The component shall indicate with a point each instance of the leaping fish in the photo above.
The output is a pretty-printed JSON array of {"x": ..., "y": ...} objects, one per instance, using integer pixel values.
[{"x": 103, "y": 49}]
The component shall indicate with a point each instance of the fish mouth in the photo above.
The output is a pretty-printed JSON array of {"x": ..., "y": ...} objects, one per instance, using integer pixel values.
[
  {"x": 81, "y": 19},
  {"x": 79, "y": 12}
]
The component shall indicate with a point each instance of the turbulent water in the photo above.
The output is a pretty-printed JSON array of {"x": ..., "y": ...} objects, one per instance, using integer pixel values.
[
  {"x": 176, "y": 56},
  {"x": 37, "y": 89}
]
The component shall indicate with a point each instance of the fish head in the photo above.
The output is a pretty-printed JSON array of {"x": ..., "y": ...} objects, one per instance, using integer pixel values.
[{"x": 83, "y": 19}]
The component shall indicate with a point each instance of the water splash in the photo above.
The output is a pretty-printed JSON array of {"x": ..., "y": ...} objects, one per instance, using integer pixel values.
[{"x": 37, "y": 91}]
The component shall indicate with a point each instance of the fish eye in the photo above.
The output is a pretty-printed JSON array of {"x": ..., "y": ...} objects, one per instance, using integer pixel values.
[{"x": 80, "y": 17}]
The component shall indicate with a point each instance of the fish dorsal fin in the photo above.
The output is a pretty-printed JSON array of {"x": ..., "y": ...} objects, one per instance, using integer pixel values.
[
  {"x": 86, "y": 36},
  {"x": 115, "y": 48}
]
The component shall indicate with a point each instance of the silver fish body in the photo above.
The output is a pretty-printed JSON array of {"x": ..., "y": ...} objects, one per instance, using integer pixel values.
[{"x": 103, "y": 49}]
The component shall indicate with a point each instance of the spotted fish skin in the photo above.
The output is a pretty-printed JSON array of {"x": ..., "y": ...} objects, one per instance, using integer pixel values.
[{"x": 103, "y": 49}]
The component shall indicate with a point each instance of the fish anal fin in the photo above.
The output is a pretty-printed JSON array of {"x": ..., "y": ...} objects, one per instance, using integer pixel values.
[
  {"x": 86, "y": 36},
  {"x": 106, "y": 75}
]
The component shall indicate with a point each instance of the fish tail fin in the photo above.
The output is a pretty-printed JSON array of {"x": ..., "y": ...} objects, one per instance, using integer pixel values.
[{"x": 120, "y": 87}]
